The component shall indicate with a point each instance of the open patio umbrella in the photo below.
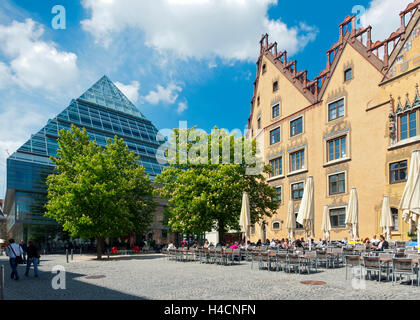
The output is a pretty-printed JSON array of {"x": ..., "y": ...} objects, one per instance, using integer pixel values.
[
  {"x": 352, "y": 219},
  {"x": 291, "y": 222},
  {"x": 245, "y": 219},
  {"x": 326, "y": 224},
  {"x": 306, "y": 210},
  {"x": 386, "y": 218},
  {"x": 410, "y": 201}
]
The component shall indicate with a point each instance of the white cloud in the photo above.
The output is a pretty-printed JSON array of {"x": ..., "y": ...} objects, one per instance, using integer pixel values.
[
  {"x": 182, "y": 106},
  {"x": 167, "y": 95},
  {"x": 230, "y": 29},
  {"x": 383, "y": 16},
  {"x": 34, "y": 63},
  {"x": 16, "y": 124},
  {"x": 131, "y": 90}
]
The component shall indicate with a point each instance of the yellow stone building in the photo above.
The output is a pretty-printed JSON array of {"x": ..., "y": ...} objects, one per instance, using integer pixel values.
[{"x": 354, "y": 126}]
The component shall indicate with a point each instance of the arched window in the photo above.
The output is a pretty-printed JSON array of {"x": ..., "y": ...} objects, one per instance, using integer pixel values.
[{"x": 276, "y": 225}]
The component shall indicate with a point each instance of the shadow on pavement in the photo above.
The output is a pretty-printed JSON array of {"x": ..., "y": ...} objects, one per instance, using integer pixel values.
[
  {"x": 31, "y": 288},
  {"x": 128, "y": 257}
]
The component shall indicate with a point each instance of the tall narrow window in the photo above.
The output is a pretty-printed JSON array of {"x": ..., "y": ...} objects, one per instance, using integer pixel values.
[
  {"x": 276, "y": 111},
  {"x": 264, "y": 68},
  {"x": 296, "y": 127},
  {"x": 348, "y": 74},
  {"x": 259, "y": 123},
  {"x": 337, "y": 184},
  {"x": 275, "y": 86},
  {"x": 336, "y": 110},
  {"x": 297, "y": 161},
  {"x": 394, "y": 213},
  {"x": 337, "y": 148},
  {"x": 408, "y": 125},
  {"x": 277, "y": 167},
  {"x": 275, "y": 136}
]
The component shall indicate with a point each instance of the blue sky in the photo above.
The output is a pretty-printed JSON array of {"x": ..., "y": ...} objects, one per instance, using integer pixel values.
[{"x": 177, "y": 60}]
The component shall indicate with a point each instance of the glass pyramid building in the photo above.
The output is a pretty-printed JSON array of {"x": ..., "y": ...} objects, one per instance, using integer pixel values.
[{"x": 105, "y": 112}]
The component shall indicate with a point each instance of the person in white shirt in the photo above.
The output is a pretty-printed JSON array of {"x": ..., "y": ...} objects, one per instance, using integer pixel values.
[
  {"x": 13, "y": 250},
  {"x": 171, "y": 246},
  {"x": 374, "y": 241}
]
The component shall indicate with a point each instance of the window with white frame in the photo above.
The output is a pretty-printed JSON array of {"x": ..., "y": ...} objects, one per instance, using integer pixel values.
[
  {"x": 296, "y": 127},
  {"x": 337, "y": 148},
  {"x": 297, "y": 160},
  {"x": 276, "y": 111},
  {"x": 337, "y": 183},
  {"x": 336, "y": 110}
]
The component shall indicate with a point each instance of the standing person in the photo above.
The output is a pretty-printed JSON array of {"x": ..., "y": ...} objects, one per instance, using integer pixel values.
[
  {"x": 14, "y": 251},
  {"x": 24, "y": 249},
  {"x": 33, "y": 257}
]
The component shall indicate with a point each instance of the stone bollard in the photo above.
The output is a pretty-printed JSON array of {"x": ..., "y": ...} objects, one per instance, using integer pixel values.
[
  {"x": 67, "y": 255},
  {"x": 71, "y": 254}
]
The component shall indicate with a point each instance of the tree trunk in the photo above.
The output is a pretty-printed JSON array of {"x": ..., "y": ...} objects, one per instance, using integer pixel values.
[
  {"x": 221, "y": 229},
  {"x": 99, "y": 247}
]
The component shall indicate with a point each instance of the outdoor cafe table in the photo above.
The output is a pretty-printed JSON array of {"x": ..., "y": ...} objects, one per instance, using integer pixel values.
[{"x": 386, "y": 261}]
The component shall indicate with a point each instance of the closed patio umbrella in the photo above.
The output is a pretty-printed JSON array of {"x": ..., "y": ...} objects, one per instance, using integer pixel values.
[
  {"x": 386, "y": 218},
  {"x": 306, "y": 210},
  {"x": 352, "y": 219},
  {"x": 410, "y": 201},
  {"x": 291, "y": 222},
  {"x": 245, "y": 219},
  {"x": 326, "y": 224}
]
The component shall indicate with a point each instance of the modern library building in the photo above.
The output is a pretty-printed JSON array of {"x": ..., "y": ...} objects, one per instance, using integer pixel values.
[{"x": 105, "y": 112}]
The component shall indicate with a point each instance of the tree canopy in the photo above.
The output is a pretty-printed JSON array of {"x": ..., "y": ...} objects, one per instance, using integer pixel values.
[
  {"x": 204, "y": 192},
  {"x": 98, "y": 192}
]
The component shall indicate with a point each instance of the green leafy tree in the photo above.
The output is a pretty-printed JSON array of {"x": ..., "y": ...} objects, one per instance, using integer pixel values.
[
  {"x": 98, "y": 192},
  {"x": 207, "y": 194}
]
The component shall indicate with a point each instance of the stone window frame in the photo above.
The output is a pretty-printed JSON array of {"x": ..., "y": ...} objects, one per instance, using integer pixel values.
[
  {"x": 337, "y": 208},
  {"x": 345, "y": 183}
]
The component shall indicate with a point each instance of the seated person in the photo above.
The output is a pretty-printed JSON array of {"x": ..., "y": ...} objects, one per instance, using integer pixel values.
[
  {"x": 374, "y": 241},
  {"x": 171, "y": 246},
  {"x": 383, "y": 244}
]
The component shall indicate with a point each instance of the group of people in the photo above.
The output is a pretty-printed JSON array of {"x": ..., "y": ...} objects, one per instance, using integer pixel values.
[
  {"x": 22, "y": 253},
  {"x": 374, "y": 244}
]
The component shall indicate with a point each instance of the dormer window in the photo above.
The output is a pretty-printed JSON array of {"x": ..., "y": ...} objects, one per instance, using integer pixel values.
[{"x": 275, "y": 86}]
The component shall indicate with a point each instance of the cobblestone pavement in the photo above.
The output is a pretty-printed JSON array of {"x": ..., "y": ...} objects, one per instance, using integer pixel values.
[{"x": 154, "y": 277}]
